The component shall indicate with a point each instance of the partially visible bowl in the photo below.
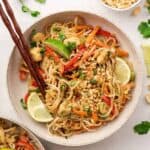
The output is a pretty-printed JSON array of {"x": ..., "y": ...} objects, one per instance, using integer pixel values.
[
  {"x": 30, "y": 134},
  {"x": 121, "y": 9},
  {"x": 17, "y": 89}
]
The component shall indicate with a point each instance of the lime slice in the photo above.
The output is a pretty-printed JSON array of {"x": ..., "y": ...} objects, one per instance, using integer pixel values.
[
  {"x": 146, "y": 51},
  {"x": 37, "y": 109},
  {"x": 122, "y": 71}
]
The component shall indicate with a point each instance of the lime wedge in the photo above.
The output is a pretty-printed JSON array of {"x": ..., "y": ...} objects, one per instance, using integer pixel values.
[
  {"x": 146, "y": 52},
  {"x": 122, "y": 71},
  {"x": 37, "y": 109},
  {"x": 6, "y": 149}
]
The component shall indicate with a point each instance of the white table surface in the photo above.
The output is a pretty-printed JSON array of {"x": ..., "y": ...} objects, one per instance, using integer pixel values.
[{"x": 124, "y": 138}]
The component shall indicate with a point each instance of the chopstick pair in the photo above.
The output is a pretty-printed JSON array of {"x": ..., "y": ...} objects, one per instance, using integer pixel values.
[{"x": 18, "y": 38}]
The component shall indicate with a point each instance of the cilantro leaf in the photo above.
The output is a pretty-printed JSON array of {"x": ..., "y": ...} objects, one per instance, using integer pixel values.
[
  {"x": 142, "y": 128},
  {"x": 71, "y": 45},
  {"x": 144, "y": 29},
  {"x": 25, "y": 8},
  {"x": 35, "y": 13},
  {"x": 61, "y": 36},
  {"x": 42, "y": 51},
  {"x": 41, "y": 1},
  {"x": 33, "y": 44},
  {"x": 23, "y": 104}
]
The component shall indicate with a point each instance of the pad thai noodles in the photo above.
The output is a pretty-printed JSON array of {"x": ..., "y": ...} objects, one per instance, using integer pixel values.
[
  {"x": 78, "y": 63},
  {"x": 13, "y": 137}
]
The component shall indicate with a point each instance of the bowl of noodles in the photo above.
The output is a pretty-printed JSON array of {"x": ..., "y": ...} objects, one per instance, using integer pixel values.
[
  {"x": 15, "y": 137},
  {"x": 121, "y": 5},
  {"x": 92, "y": 73}
]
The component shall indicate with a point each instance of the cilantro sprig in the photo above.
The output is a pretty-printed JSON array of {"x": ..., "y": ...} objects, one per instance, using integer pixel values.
[
  {"x": 144, "y": 28},
  {"x": 142, "y": 128},
  {"x": 26, "y": 9},
  {"x": 148, "y": 5},
  {"x": 41, "y": 1}
]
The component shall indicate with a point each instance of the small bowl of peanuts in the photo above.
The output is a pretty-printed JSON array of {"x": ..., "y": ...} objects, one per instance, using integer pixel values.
[{"x": 120, "y": 5}]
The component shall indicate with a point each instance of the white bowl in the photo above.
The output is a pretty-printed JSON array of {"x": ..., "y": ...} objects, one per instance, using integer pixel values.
[
  {"x": 121, "y": 9},
  {"x": 31, "y": 135},
  {"x": 17, "y": 89}
]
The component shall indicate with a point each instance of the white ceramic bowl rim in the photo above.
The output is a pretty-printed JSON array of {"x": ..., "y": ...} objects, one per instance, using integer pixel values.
[
  {"x": 121, "y": 9},
  {"x": 94, "y": 139},
  {"x": 28, "y": 131}
]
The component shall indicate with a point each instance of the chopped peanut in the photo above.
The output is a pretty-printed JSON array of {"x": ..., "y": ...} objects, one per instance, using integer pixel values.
[{"x": 136, "y": 11}]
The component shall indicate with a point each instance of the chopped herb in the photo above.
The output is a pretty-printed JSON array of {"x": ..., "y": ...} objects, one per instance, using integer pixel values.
[
  {"x": 42, "y": 51},
  {"x": 94, "y": 71},
  {"x": 35, "y": 13},
  {"x": 148, "y": 5},
  {"x": 56, "y": 29},
  {"x": 61, "y": 37},
  {"x": 33, "y": 32},
  {"x": 148, "y": 8},
  {"x": 93, "y": 81},
  {"x": 71, "y": 46},
  {"x": 142, "y": 128},
  {"x": 72, "y": 83},
  {"x": 144, "y": 29},
  {"x": 25, "y": 8},
  {"x": 41, "y": 1},
  {"x": 24, "y": 106},
  {"x": 32, "y": 44},
  {"x": 81, "y": 74},
  {"x": 87, "y": 109},
  {"x": 63, "y": 87},
  {"x": 37, "y": 90}
]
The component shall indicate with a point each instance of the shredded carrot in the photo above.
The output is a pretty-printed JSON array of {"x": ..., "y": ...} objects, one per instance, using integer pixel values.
[
  {"x": 92, "y": 34},
  {"x": 92, "y": 127},
  {"x": 111, "y": 42},
  {"x": 81, "y": 27},
  {"x": 88, "y": 54},
  {"x": 24, "y": 139},
  {"x": 25, "y": 145},
  {"x": 121, "y": 53},
  {"x": 79, "y": 112},
  {"x": 50, "y": 52},
  {"x": 101, "y": 44},
  {"x": 106, "y": 89},
  {"x": 94, "y": 116},
  {"x": 130, "y": 85}
]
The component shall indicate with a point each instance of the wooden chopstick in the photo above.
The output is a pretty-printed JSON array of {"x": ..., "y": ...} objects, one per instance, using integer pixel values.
[{"x": 21, "y": 44}]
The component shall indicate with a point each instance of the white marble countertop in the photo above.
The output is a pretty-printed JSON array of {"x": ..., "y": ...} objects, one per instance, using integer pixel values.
[{"x": 124, "y": 138}]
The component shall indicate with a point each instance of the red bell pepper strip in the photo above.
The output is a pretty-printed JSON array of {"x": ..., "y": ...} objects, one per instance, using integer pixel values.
[
  {"x": 105, "y": 33},
  {"x": 23, "y": 75},
  {"x": 50, "y": 52},
  {"x": 26, "y": 97},
  {"x": 113, "y": 110},
  {"x": 70, "y": 64},
  {"x": 107, "y": 100},
  {"x": 34, "y": 83},
  {"x": 41, "y": 72}
]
